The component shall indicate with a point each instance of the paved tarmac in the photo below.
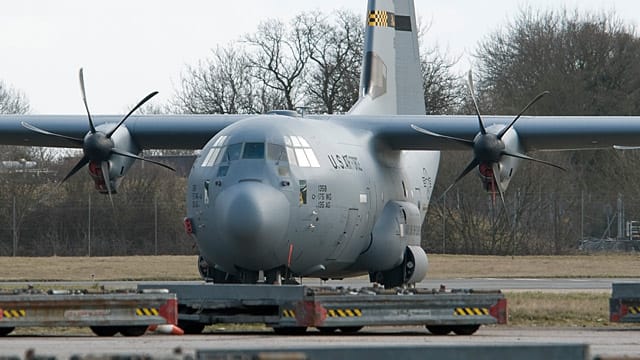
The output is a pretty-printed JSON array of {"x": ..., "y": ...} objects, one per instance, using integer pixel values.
[
  {"x": 560, "y": 284},
  {"x": 616, "y": 342}
]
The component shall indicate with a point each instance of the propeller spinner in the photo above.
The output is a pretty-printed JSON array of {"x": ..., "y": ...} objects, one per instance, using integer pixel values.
[
  {"x": 488, "y": 148},
  {"x": 98, "y": 146}
]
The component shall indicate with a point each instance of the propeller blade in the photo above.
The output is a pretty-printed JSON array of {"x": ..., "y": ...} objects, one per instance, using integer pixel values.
[
  {"x": 134, "y": 156},
  {"x": 104, "y": 167},
  {"x": 540, "y": 96},
  {"x": 496, "y": 177},
  {"x": 84, "y": 161},
  {"x": 49, "y": 133},
  {"x": 84, "y": 99},
  {"x": 146, "y": 98},
  {"x": 622, "y": 147},
  {"x": 472, "y": 165},
  {"x": 483, "y": 131},
  {"x": 468, "y": 143},
  {"x": 525, "y": 157}
]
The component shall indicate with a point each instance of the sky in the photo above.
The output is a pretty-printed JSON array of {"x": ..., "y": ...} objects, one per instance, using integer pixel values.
[{"x": 129, "y": 48}]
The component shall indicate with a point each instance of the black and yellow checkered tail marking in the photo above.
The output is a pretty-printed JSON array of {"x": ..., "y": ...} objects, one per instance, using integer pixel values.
[
  {"x": 14, "y": 313},
  {"x": 634, "y": 310},
  {"x": 381, "y": 18},
  {"x": 147, "y": 312},
  {"x": 471, "y": 311},
  {"x": 288, "y": 313},
  {"x": 344, "y": 313}
]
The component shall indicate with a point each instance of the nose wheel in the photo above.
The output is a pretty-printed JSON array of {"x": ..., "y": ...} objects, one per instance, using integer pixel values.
[{"x": 209, "y": 273}]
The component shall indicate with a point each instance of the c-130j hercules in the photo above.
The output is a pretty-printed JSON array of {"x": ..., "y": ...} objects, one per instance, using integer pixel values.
[{"x": 278, "y": 196}]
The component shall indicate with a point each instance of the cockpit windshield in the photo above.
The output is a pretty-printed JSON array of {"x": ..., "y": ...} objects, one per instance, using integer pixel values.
[
  {"x": 295, "y": 151},
  {"x": 253, "y": 151}
]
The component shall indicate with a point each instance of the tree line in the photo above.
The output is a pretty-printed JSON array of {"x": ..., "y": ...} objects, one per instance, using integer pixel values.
[{"x": 588, "y": 62}]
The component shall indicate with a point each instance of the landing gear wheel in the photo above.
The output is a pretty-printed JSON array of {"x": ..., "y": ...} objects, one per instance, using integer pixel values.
[
  {"x": 465, "y": 329},
  {"x": 439, "y": 330},
  {"x": 350, "y": 329},
  {"x": 290, "y": 330},
  {"x": 4, "y": 331},
  {"x": 327, "y": 329},
  {"x": 133, "y": 331},
  {"x": 105, "y": 330}
]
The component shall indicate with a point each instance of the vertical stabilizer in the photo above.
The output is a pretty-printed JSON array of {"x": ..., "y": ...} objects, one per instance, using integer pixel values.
[{"x": 391, "y": 81}]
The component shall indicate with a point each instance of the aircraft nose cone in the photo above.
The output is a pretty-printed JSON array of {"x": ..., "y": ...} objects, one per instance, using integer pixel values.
[{"x": 252, "y": 213}]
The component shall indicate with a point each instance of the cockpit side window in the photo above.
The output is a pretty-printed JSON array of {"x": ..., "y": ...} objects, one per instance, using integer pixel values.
[
  {"x": 276, "y": 152},
  {"x": 232, "y": 153},
  {"x": 300, "y": 152},
  {"x": 253, "y": 151},
  {"x": 214, "y": 152}
]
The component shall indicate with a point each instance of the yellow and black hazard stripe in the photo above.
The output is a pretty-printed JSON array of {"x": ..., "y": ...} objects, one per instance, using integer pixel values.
[
  {"x": 344, "y": 313},
  {"x": 147, "y": 312},
  {"x": 471, "y": 311},
  {"x": 14, "y": 313},
  {"x": 634, "y": 310},
  {"x": 381, "y": 18},
  {"x": 288, "y": 313}
]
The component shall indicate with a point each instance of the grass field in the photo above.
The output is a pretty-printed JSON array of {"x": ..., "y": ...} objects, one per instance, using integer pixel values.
[{"x": 440, "y": 267}]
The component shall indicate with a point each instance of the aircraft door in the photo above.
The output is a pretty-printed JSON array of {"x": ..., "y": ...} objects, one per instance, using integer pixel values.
[{"x": 353, "y": 221}]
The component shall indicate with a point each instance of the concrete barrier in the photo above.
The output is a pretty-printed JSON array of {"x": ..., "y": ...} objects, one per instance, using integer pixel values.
[{"x": 442, "y": 352}]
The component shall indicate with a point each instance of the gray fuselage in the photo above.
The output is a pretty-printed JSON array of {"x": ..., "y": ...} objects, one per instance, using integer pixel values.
[{"x": 305, "y": 195}]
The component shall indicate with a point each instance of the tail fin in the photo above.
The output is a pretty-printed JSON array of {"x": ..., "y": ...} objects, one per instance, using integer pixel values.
[{"x": 391, "y": 81}]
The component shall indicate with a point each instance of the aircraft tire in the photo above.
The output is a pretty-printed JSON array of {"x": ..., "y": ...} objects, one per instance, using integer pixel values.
[
  {"x": 191, "y": 327},
  {"x": 327, "y": 329},
  {"x": 133, "y": 331},
  {"x": 104, "y": 331},
  {"x": 4, "y": 331},
  {"x": 465, "y": 329},
  {"x": 350, "y": 329},
  {"x": 439, "y": 330}
]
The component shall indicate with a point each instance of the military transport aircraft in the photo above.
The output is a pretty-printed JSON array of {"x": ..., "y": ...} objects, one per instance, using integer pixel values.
[{"x": 277, "y": 196}]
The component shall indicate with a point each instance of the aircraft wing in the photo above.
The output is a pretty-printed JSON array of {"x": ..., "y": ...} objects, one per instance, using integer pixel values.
[
  {"x": 193, "y": 131},
  {"x": 148, "y": 131},
  {"x": 534, "y": 133}
]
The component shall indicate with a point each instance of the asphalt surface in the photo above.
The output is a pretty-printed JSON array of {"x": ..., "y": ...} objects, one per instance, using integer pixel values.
[
  {"x": 618, "y": 342},
  {"x": 559, "y": 284}
]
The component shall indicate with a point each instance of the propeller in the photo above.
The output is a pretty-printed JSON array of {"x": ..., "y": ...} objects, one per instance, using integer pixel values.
[
  {"x": 98, "y": 146},
  {"x": 488, "y": 148}
]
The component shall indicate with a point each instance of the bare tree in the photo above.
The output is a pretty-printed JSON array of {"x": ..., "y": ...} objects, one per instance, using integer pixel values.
[
  {"x": 279, "y": 58},
  {"x": 443, "y": 89},
  {"x": 588, "y": 62},
  {"x": 335, "y": 54},
  {"x": 220, "y": 85},
  {"x": 12, "y": 101}
]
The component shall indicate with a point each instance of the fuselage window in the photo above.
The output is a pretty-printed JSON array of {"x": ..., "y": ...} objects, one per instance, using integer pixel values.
[
  {"x": 300, "y": 152},
  {"x": 253, "y": 151}
]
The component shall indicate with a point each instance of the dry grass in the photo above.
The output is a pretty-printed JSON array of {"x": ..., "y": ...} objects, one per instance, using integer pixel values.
[
  {"x": 99, "y": 268},
  {"x": 576, "y": 309},
  {"x": 440, "y": 267},
  {"x": 583, "y": 266}
]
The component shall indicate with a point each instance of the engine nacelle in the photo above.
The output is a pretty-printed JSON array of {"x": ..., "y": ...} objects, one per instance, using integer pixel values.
[
  {"x": 118, "y": 165},
  {"x": 508, "y": 165},
  {"x": 394, "y": 256},
  {"x": 397, "y": 227}
]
